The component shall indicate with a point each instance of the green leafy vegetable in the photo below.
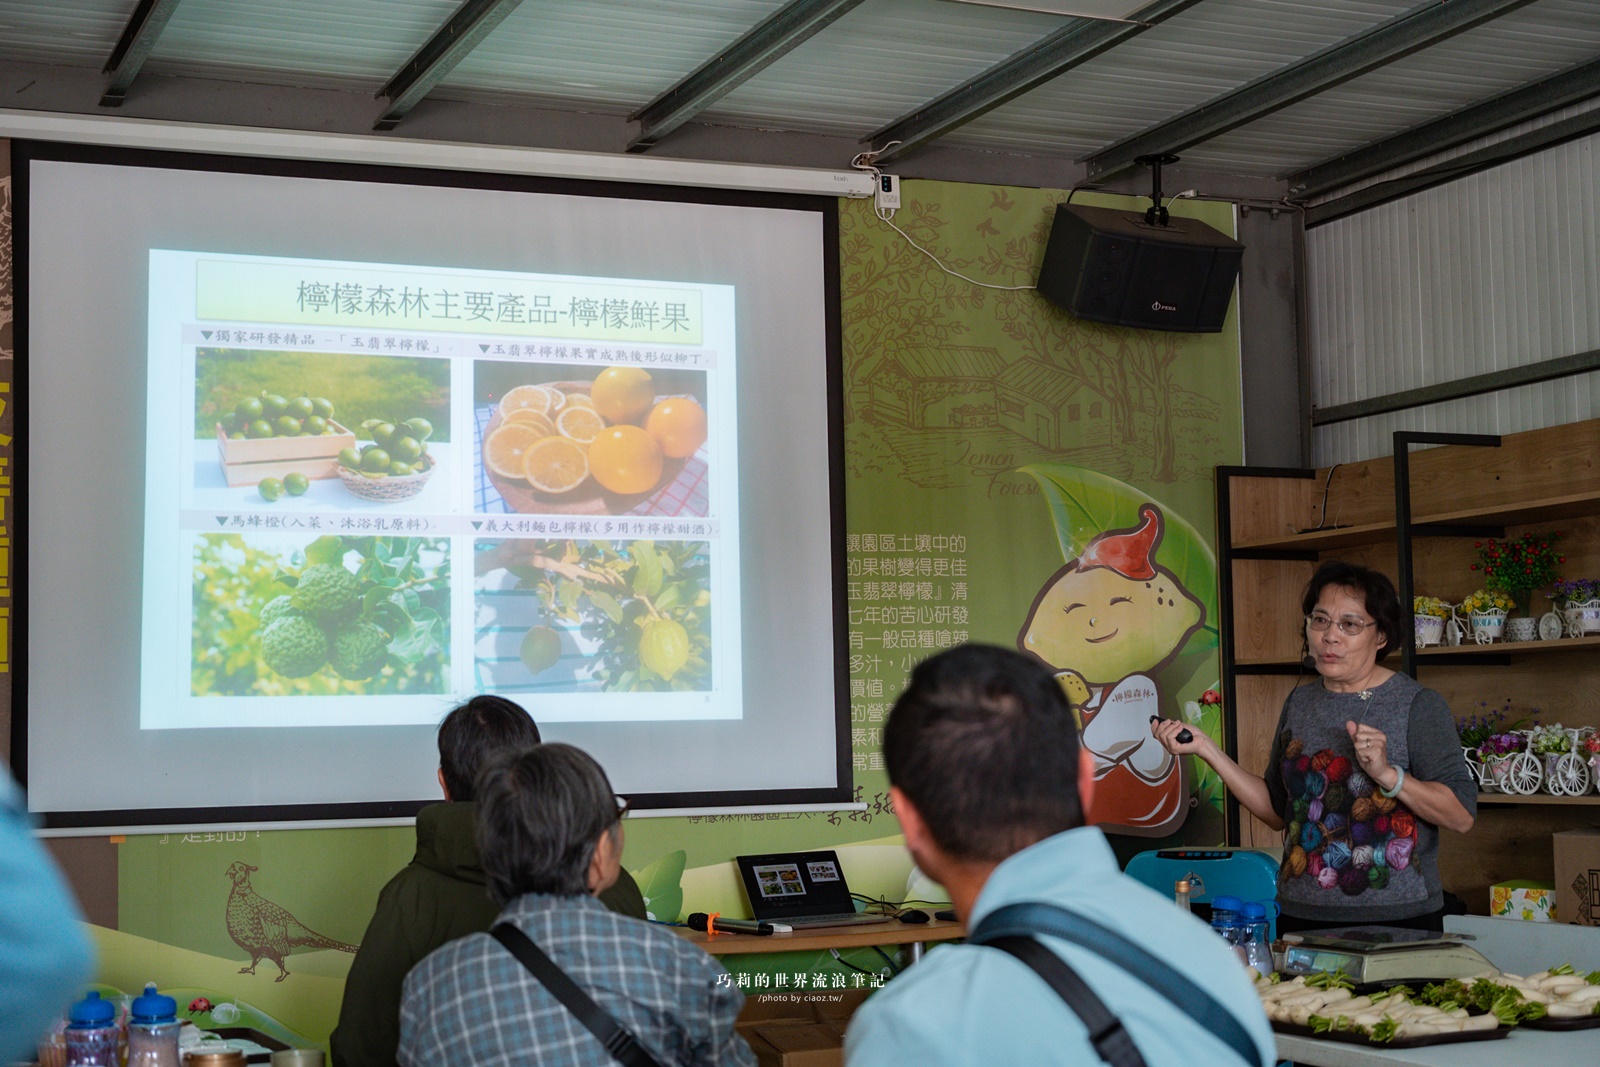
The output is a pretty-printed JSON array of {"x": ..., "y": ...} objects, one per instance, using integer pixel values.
[
  {"x": 1565, "y": 968},
  {"x": 1384, "y": 1030}
]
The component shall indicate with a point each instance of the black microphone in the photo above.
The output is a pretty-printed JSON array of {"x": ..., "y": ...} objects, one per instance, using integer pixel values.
[
  {"x": 700, "y": 920},
  {"x": 1184, "y": 736}
]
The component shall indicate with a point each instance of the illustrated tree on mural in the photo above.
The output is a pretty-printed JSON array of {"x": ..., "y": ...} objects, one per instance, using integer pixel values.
[
  {"x": 1150, "y": 357},
  {"x": 896, "y": 299}
]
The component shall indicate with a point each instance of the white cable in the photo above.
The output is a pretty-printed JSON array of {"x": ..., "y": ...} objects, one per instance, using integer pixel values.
[{"x": 863, "y": 161}]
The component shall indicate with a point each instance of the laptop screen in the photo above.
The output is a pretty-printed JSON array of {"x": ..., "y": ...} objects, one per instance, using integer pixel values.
[{"x": 795, "y": 884}]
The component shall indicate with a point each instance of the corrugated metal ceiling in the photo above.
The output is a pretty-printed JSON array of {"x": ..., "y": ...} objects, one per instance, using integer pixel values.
[{"x": 881, "y": 60}]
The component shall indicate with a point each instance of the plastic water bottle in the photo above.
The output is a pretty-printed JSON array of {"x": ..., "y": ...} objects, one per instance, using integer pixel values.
[
  {"x": 92, "y": 1034},
  {"x": 153, "y": 1030},
  {"x": 1227, "y": 920},
  {"x": 1256, "y": 950}
]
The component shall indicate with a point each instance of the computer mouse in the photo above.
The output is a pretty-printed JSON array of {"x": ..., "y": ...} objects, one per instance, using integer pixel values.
[
  {"x": 913, "y": 916},
  {"x": 948, "y": 916}
]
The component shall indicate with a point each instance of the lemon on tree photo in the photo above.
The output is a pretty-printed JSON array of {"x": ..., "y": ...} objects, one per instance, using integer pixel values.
[{"x": 630, "y": 616}]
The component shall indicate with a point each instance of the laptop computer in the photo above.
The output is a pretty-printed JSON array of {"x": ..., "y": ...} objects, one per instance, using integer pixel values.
[{"x": 801, "y": 890}]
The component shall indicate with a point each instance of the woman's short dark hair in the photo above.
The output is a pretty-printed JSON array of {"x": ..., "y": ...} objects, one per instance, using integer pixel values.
[
  {"x": 540, "y": 813},
  {"x": 983, "y": 743},
  {"x": 1376, "y": 591},
  {"x": 473, "y": 732}
]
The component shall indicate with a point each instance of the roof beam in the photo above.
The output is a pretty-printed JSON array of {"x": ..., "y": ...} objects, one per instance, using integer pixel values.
[
  {"x": 769, "y": 41},
  {"x": 1512, "y": 148},
  {"x": 433, "y": 62},
  {"x": 1411, "y": 31},
  {"x": 1570, "y": 86},
  {"x": 1077, "y": 42},
  {"x": 133, "y": 47}
]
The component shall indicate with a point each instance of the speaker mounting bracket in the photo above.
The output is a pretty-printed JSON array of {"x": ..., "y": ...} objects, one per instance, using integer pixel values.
[{"x": 1156, "y": 215}]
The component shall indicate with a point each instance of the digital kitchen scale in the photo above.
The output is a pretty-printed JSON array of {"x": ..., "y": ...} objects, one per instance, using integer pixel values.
[{"x": 1384, "y": 954}]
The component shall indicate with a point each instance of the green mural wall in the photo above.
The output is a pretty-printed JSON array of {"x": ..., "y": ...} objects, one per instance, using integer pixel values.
[{"x": 990, "y": 439}]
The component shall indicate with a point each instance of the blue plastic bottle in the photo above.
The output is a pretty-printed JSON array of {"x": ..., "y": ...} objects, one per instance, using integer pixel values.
[
  {"x": 92, "y": 1034},
  {"x": 153, "y": 1030},
  {"x": 1227, "y": 920},
  {"x": 1258, "y": 953}
]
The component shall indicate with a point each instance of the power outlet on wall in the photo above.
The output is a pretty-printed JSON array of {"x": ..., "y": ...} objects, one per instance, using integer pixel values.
[{"x": 887, "y": 195}]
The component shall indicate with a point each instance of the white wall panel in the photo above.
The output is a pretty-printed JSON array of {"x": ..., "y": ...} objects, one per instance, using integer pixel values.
[{"x": 1499, "y": 269}]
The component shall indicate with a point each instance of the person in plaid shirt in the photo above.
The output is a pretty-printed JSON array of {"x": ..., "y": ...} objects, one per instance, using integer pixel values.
[{"x": 550, "y": 833}]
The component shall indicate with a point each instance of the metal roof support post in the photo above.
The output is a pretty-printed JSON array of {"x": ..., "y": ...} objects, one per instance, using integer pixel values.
[
  {"x": 434, "y": 61},
  {"x": 1077, "y": 42},
  {"x": 133, "y": 47},
  {"x": 1392, "y": 39},
  {"x": 767, "y": 42}
]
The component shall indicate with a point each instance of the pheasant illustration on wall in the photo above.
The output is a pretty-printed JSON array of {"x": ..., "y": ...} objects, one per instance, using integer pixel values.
[{"x": 262, "y": 928}]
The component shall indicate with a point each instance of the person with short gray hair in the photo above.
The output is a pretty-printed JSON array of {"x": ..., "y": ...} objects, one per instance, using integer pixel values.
[
  {"x": 442, "y": 894},
  {"x": 550, "y": 833}
]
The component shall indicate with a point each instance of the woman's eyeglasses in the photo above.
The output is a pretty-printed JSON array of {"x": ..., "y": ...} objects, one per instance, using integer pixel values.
[{"x": 1350, "y": 626}]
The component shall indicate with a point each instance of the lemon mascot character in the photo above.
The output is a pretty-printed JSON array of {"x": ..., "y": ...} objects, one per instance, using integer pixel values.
[{"x": 1107, "y": 622}]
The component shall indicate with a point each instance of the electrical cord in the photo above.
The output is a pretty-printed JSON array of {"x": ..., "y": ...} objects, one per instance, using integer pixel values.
[{"x": 863, "y": 161}]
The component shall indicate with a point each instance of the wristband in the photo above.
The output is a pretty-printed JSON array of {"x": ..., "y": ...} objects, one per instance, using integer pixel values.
[{"x": 1398, "y": 782}]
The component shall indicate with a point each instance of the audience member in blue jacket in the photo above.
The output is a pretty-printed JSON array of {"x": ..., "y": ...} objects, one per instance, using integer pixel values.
[{"x": 45, "y": 958}]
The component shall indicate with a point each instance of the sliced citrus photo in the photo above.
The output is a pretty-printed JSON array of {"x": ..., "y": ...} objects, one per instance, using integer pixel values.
[
  {"x": 530, "y": 417},
  {"x": 623, "y": 394},
  {"x": 576, "y": 399},
  {"x": 625, "y": 459},
  {"x": 558, "y": 399},
  {"x": 556, "y": 465},
  {"x": 583, "y": 425},
  {"x": 532, "y": 397},
  {"x": 507, "y": 447}
]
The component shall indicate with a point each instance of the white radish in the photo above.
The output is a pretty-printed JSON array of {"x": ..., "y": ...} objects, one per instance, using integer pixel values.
[
  {"x": 1486, "y": 1021},
  {"x": 1562, "y": 983},
  {"x": 1569, "y": 1011}
]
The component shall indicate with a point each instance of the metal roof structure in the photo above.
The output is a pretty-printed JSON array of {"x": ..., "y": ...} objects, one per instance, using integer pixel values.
[{"x": 1321, "y": 95}]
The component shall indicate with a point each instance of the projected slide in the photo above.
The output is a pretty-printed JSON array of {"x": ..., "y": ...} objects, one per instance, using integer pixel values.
[{"x": 373, "y": 488}]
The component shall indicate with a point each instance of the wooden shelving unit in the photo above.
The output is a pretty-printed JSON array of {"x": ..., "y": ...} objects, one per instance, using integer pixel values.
[
  {"x": 1417, "y": 519},
  {"x": 1590, "y": 800}
]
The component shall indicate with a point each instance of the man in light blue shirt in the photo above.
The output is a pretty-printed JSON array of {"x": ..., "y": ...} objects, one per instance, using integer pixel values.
[
  {"x": 44, "y": 956},
  {"x": 990, "y": 786}
]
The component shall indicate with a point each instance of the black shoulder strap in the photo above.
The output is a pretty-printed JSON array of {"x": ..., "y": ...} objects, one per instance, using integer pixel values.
[
  {"x": 1034, "y": 918},
  {"x": 624, "y": 1048},
  {"x": 1106, "y": 1033}
]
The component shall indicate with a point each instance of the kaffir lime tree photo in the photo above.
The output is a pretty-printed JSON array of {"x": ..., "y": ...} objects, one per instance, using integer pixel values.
[
  {"x": 333, "y": 616},
  {"x": 593, "y": 616}
]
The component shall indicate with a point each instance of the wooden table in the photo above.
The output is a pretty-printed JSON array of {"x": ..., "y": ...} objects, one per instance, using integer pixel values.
[{"x": 823, "y": 938}]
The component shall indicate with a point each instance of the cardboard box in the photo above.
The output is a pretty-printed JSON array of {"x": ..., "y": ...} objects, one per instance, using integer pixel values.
[
  {"x": 1578, "y": 876},
  {"x": 799, "y": 1028},
  {"x": 1523, "y": 899}
]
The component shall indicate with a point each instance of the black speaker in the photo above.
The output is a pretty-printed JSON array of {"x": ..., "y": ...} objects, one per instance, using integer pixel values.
[{"x": 1113, "y": 266}]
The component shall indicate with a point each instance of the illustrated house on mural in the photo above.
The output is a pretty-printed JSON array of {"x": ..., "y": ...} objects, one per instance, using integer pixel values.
[
  {"x": 935, "y": 387},
  {"x": 1048, "y": 406}
]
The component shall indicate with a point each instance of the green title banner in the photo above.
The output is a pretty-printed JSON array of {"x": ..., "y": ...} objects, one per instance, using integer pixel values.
[{"x": 322, "y": 294}]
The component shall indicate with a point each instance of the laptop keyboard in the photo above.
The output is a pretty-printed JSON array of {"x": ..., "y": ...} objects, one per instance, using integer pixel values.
[{"x": 852, "y": 918}]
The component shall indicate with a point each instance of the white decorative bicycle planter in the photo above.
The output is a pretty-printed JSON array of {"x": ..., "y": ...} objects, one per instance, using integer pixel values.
[
  {"x": 1488, "y": 626},
  {"x": 1428, "y": 630},
  {"x": 1582, "y": 617}
]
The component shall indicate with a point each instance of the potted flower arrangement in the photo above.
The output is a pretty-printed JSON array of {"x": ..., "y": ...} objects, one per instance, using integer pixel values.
[
  {"x": 1428, "y": 615},
  {"x": 1488, "y": 609},
  {"x": 1518, "y": 566},
  {"x": 1578, "y": 601}
]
